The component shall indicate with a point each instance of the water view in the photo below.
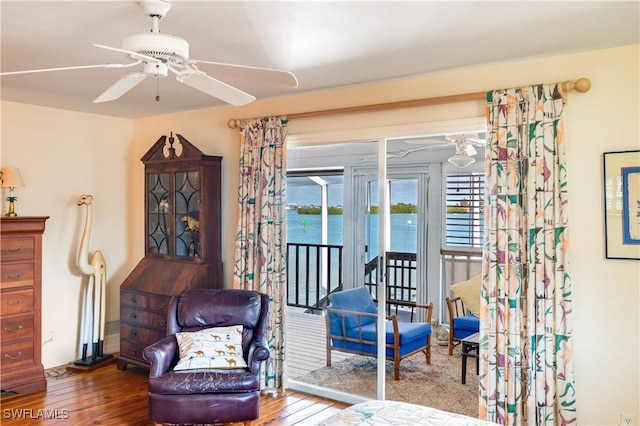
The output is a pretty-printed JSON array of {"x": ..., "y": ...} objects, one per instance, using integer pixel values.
[{"x": 306, "y": 228}]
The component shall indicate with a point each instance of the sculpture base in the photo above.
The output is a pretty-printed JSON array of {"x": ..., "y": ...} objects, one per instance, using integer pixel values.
[{"x": 89, "y": 364}]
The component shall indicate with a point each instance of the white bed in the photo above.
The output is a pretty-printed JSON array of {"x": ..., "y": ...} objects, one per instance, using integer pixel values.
[{"x": 379, "y": 413}]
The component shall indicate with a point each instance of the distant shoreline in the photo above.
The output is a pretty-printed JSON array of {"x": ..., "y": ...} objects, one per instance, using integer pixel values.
[
  {"x": 395, "y": 208},
  {"x": 399, "y": 208}
]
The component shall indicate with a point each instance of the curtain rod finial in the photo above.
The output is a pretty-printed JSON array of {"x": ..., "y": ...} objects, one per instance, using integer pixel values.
[
  {"x": 581, "y": 85},
  {"x": 234, "y": 123}
]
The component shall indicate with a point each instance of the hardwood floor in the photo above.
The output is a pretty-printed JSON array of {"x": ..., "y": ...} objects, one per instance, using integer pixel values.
[{"x": 107, "y": 396}]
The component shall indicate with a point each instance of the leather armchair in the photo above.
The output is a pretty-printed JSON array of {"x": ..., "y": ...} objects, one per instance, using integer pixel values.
[{"x": 209, "y": 395}]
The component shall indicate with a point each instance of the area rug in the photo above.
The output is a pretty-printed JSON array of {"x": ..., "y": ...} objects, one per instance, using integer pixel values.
[
  {"x": 57, "y": 373},
  {"x": 437, "y": 385}
]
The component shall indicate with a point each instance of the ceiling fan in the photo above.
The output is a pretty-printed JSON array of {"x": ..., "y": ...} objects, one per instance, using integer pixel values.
[
  {"x": 464, "y": 143},
  {"x": 160, "y": 53},
  {"x": 465, "y": 151}
]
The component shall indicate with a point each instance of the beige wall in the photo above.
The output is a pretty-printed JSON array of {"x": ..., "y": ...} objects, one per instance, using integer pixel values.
[
  {"x": 63, "y": 154},
  {"x": 606, "y": 292}
]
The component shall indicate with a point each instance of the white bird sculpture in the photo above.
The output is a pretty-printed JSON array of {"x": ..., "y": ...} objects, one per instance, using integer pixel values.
[{"x": 94, "y": 298}]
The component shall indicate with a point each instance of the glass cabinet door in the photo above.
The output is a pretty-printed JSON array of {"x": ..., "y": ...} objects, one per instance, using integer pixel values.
[
  {"x": 187, "y": 214},
  {"x": 158, "y": 191}
]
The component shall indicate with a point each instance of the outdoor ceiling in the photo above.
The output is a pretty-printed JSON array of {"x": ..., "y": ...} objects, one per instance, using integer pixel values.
[{"x": 326, "y": 44}]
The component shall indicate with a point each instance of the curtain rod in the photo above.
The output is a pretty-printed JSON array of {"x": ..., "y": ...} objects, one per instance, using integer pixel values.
[{"x": 581, "y": 85}]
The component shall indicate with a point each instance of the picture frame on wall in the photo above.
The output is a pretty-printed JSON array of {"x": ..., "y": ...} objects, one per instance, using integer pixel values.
[{"x": 621, "y": 170}]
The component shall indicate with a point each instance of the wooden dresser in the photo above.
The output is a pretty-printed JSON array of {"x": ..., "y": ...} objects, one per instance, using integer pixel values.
[
  {"x": 183, "y": 247},
  {"x": 21, "y": 290}
]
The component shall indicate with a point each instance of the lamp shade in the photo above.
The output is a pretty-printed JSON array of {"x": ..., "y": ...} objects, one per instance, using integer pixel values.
[
  {"x": 11, "y": 177},
  {"x": 461, "y": 160}
]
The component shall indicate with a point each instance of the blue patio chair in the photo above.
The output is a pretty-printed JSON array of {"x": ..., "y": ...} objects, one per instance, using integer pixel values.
[
  {"x": 351, "y": 327},
  {"x": 461, "y": 322}
]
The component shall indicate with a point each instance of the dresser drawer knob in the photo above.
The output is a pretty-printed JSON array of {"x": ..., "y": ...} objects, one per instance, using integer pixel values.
[
  {"x": 163, "y": 305},
  {"x": 134, "y": 300},
  {"x": 163, "y": 323},
  {"x": 13, "y": 330},
  {"x": 134, "y": 315},
  {"x": 13, "y": 276},
  {"x": 12, "y": 250},
  {"x": 8, "y": 302},
  {"x": 133, "y": 352},
  {"x": 133, "y": 333},
  {"x": 13, "y": 357}
]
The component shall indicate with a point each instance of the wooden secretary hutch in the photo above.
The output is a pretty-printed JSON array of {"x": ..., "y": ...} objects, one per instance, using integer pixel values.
[{"x": 183, "y": 247}]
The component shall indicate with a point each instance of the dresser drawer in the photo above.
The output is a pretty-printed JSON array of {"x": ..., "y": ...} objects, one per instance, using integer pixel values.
[
  {"x": 145, "y": 318},
  {"x": 139, "y": 334},
  {"x": 159, "y": 303},
  {"x": 16, "y": 328},
  {"x": 132, "y": 349},
  {"x": 17, "y": 354},
  {"x": 17, "y": 248},
  {"x": 16, "y": 274},
  {"x": 17, "y": 302},
  {"x": 134, "y": 299}
]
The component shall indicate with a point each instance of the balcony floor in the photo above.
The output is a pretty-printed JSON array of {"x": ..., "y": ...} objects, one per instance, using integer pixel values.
[{"x": 306, "y": 344}]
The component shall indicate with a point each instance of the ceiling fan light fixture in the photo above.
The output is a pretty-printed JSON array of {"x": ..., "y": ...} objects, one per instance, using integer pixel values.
[
  {"x": 461, "y": 160},
  {"x": 158, "y": 70}
]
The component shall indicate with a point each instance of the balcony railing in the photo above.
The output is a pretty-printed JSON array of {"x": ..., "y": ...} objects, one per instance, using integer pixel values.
[{"x": 315, "y": 270}]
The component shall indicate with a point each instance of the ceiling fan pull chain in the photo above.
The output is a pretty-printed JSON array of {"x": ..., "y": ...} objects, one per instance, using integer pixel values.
[{"x": 157, "y": 89}]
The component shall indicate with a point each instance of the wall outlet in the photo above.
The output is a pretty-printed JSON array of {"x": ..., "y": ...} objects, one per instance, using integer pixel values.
[{"x": 627, "y": 419}]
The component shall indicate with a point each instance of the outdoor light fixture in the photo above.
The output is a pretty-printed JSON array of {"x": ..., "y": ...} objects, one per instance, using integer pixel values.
[
  {"x": 461, "y": 158},
  {"x": 11, "y": 178}
]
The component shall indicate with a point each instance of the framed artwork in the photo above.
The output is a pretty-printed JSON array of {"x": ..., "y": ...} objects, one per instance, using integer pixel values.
[{"x": 622, "y": 204}]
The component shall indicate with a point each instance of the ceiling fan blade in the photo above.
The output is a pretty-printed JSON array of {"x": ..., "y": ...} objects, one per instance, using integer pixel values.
[
  {"x": 80, "y": 67},
  {"x": 121, "y": 87},
  {"x": 264, "y": 75},
  {"x": 477, "y": 142},
  {"x": 129, "y": 52},
  {"x": 215, "y": 88}
]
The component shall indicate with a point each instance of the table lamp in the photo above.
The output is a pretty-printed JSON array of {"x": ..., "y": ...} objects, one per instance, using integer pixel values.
[{"x": 11, "y": 178}]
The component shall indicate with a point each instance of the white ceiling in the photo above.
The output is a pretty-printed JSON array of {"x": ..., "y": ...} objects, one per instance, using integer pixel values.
[{"x": 326, "y": 44}]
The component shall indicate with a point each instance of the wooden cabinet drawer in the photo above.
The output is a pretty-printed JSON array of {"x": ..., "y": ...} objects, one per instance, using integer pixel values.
[
  {"x": 132, "y": 349},
  {"x": 17, "y": 354},
  {"x": 16, "y": 274},
  {"x": 139, "y": 334},
  {"x": 17, "y": 248},
  {"x": 159, "y": 303},
  {"x": 16, "y": 328},
  {"x": 144, "y": 318},
  {"x": 134, "y": 299},
  {"x": 17, "y": 302}
]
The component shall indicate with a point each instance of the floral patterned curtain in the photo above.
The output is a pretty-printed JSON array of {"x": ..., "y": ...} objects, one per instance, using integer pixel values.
[
  {"x": 260, "y": 253},
  {"x": 526, "y": 344}
]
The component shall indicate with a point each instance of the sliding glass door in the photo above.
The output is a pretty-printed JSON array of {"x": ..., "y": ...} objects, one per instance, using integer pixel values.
[{"x": 330, "y": 213}]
